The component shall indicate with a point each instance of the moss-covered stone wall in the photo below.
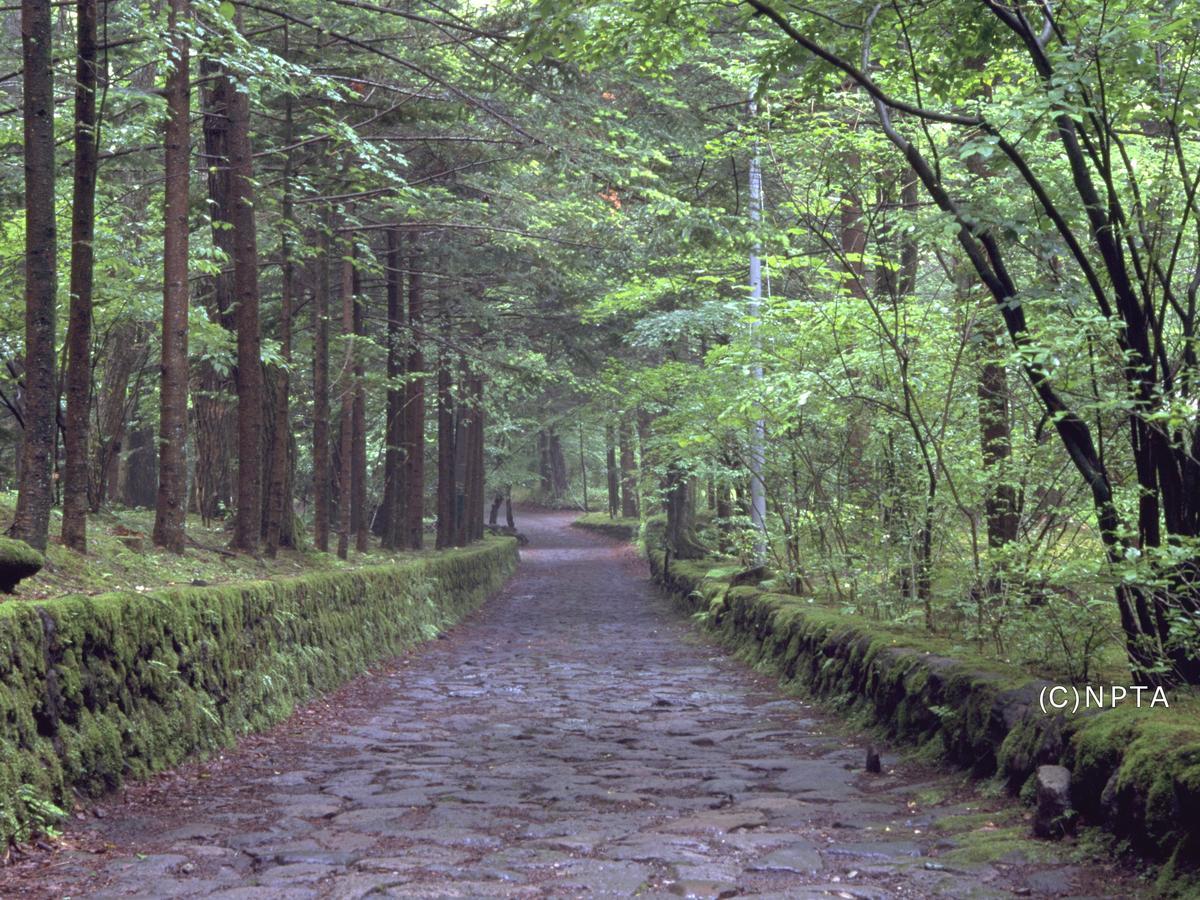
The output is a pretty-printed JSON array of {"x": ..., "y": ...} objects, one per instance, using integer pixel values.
[
  {"x": 601, "y": 523},
  {"x": 94, "y": 690},
  {"x": 1135, "y": 772}
]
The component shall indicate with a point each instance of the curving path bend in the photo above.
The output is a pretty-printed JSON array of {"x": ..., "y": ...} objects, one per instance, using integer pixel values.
[{"x": 574, "y": 736}]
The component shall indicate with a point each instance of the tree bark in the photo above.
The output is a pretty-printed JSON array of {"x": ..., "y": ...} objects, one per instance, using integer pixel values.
[
  {"x": 140, "y": 467},
  {"x": 474, "y": 488},
  {"x": 393, "y": 512},
  {"x": 446, "y": 492},
  {"x": 124, "y": 352},
  {"x": 612, "y": 473},
  {"x": 213, "y": 403},
  {"x": 545, "y": 474},
  {"x": 320, "y": 432},
  {"x": 414, "y": 411},
  {"x": 35, "y": 489},
  {"x": 358, "y": 468},
  {"x": 558, "y": 467},
  {"x": 681, "y": 515},
  {"x": 629, "y": 495},
  {"x": 346, "y": 392},
  {"x": 462, "y": 455},
  {"x": 1002, "y": 503},
  {"x": 171, "y": 506},
  {"x": 583, "y": 470},
  {"x": 248, "y": 523},
  {"x": 279, "y": 499},
  {"x": 79, "y": 327}
]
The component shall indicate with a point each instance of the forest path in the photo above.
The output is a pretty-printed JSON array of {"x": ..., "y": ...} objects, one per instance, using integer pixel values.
[{"x": 573, "y": 736}]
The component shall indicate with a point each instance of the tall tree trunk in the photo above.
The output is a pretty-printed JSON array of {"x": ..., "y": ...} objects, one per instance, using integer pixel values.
[
  {"x": 558, "y": 467},
  {"x": 462, "y": 438},
  {"x": 629, "y": 495},
  {"x": 358, "y": 468},
  {"x": 79, "y": 327},
  {"x": 995, "y": 427},
  {"x": 279, "y": 497},
  {"x": 471, "y": 526},
  {"x": 248, "y": 524},
  {"x": 480, "y": 490},
  {"x": 346, "y": 392},
  {"x": 611, "y": 471},
  {"x": 414, "y": 410},
  {"x": 645, "y": 425},
  {"x": 213, "y": 402},
  {"x": 140, "y": 481},
  {"x": 394, "y": 496},
  {"x": 583, "y": 470},
  {"x": 681, "y": 515},
  {"x": 320, "y": 447},
  {"x": 545, "y": 473},
  {"x": 35, "y": 489},
  {"x": 446, "y": 492},
  {"x": 171, "y": 505},
  {"x": 124, "y": 352}
]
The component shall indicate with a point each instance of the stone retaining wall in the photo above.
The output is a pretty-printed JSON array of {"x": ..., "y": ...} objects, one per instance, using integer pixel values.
[
  {"x": 97, "y": 689},
  {"x": 1136, "y": 772}
]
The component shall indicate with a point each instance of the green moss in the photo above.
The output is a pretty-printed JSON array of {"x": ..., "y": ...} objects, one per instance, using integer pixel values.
[
  {"x": 987, "y": 844},
  {"x": 621, "y": 529},
  {"x": 18, "y": 561},
  {"x": 97, "y": 689}
]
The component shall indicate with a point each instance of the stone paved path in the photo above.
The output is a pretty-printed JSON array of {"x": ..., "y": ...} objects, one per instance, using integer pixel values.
[{"x": 573, "y": 737}]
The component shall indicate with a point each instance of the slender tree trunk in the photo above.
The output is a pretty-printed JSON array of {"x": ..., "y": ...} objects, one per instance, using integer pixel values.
[
  {"x": 346, "y": 392},
  {"x": 494, "y": 515},
  {"x": 79, "y": 328},
  {"x": 214, "y": 398},
  {"x": 124, "y": 352},
  {"x": 629, "y": 495},
  {"x": 462, "y": 454},
  {"x": 35, "y": 489},
  {"x": 414, "y": 411},
  {"x": 611, "y": 471},
  {"x": 474, "y": 492},
  {"x": 583, "y": 470},
  {"x": 171, "y": 507},
  {"x": 393, "y": 512},
  {"x": 995, "y": 428},
  {"x": 358, "y": 469},
  {"x": 279, "y": 498},
  {"x": 248, "y": 524},
  {"x": 545, "y": 475},
  {"x": 681, "y": 515},
  {"x": 558, "y": 467},
  {"x": 320, "y": 448},
  {"x": 645, "y": 424},
  {"x": 140, "y": 481},
  {"x": 446, "y": 493}
]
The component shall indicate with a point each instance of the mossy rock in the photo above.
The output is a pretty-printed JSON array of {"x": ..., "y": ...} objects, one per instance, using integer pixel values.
[{"x": 18, "y": 561}]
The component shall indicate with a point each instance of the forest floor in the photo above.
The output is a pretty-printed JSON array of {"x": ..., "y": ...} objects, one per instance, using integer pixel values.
[
  {"x": 574, "y": 735},
  {"x": 121, "y": 557}
]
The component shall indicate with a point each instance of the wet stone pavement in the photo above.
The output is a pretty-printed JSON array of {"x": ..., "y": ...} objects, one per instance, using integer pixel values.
[{"x": 575, "y": 736}]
